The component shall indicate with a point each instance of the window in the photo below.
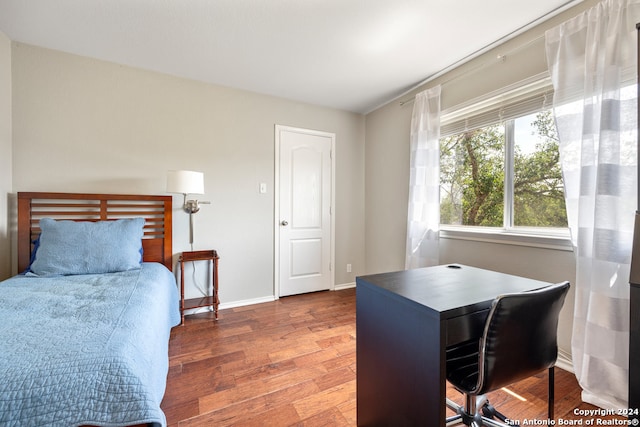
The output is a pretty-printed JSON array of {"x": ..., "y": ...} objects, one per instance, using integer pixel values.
[{"x": 500, "y": 169}]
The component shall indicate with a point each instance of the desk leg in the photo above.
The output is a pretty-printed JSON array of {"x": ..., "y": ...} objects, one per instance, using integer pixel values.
[{"x": 400, "y": 357}]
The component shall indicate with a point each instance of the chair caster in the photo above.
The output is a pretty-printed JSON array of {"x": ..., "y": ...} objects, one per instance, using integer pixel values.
[{"x": 490, "y": 411}]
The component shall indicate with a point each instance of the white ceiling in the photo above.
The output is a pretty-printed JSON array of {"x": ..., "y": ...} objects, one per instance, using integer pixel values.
[{"x": 353, "y": 55}]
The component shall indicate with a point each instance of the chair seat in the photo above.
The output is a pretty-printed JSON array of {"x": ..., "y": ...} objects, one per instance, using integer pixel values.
[{"x": 462, "y": 366}]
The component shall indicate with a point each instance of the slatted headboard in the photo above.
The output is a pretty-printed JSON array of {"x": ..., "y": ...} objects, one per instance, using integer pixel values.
[{"x": 156, "y": 210}]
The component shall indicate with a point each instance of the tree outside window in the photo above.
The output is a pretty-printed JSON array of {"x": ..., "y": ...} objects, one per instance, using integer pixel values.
[{"x": 518, "y": 158}]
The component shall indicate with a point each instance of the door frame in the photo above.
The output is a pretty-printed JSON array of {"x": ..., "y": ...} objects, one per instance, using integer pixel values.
[{"x": 276, "y": 192}]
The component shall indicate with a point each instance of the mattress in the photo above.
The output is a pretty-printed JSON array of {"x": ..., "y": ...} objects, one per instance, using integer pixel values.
[{"x": 86, "y": 349}]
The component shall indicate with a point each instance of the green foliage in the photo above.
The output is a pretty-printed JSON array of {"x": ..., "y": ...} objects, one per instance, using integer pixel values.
[
  {"x": 472, "y": 178},
  {"x": 538, "y": 188}
]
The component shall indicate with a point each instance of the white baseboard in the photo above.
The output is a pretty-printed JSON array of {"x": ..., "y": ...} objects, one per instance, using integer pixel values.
[
  {"x": 232, "y": 304},
  {"x": 198, "y": 310},
  {"x": 344, "y": 286},
  {"x": 242, "y": 303},
  {"x": 564, "y": 362}
]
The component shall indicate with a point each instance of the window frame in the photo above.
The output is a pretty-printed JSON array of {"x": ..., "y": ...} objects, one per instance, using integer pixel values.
[{"x": 504, "y": 107}]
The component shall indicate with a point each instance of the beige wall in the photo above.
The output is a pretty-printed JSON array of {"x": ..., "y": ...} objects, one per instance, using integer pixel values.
[
  {"x": 387, "y": 170},
  {"x": 5, "y": 154},
  {"x": 85, "y": 125}
]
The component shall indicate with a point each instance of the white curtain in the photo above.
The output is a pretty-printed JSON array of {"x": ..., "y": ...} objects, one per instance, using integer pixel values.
[
  {"x": 423, "y": 222},
  {"x": 592, "y": 61}
]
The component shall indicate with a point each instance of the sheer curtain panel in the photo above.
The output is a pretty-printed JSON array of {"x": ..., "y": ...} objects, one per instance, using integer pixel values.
[
  {"x": 423, "y": 222},
  {"x": 592, "y": 60}
]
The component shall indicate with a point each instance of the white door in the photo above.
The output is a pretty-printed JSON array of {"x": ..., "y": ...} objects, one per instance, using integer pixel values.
[{"x": 304, "y": 185}]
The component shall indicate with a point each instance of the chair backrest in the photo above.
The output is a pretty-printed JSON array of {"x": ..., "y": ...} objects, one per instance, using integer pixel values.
[{"x": 520, "y": 336}]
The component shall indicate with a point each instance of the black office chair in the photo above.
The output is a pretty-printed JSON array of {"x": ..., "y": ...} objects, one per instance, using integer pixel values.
[{"x": 519, "y": 340}]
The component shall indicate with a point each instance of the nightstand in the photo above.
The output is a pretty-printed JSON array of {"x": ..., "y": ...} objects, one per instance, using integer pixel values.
[{"x": 207, "y": 301}]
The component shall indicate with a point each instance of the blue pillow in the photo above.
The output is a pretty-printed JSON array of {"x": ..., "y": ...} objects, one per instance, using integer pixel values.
[
  {"x": 32, "y": 257},
  {"x": 82, "y": 247}
]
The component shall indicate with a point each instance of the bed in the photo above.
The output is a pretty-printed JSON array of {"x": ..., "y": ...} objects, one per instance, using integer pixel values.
[{"x": 84, "y": 329}]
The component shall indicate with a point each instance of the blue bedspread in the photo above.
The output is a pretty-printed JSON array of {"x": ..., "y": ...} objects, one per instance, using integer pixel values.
[{"x": 88, "y": 349}]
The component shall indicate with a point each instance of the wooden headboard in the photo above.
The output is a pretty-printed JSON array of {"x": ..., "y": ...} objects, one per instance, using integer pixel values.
[{"x": 156, "y": 210}]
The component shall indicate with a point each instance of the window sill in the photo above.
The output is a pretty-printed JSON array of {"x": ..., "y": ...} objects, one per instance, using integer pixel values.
[{"x": 555, "y": 239}]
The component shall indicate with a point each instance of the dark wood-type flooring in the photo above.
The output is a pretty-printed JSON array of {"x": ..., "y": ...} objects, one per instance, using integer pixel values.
[{"x": 292, "y": 362}]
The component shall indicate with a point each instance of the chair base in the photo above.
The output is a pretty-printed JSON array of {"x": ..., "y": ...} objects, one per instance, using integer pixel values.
[
  {"x": 489, "y": 411},
  {"x": 472, "y": 414},
  {"x": 476, "y": 405}
]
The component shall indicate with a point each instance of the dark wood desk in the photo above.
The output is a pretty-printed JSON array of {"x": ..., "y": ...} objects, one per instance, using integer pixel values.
[{"x": 404, "y": 322}]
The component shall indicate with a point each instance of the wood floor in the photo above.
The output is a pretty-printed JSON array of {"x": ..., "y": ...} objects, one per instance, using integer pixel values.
[{"x": 292, "y": 362}]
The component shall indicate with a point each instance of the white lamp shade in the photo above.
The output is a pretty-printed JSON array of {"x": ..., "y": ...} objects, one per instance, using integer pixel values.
[{"x": 185, "y": 182}]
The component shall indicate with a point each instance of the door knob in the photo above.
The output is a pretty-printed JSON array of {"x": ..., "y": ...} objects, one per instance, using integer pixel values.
[{"x": 284, "y": 223}]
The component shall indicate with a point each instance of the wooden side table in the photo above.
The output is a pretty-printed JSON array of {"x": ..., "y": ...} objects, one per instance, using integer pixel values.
[{"x": 206, "y": 301}]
